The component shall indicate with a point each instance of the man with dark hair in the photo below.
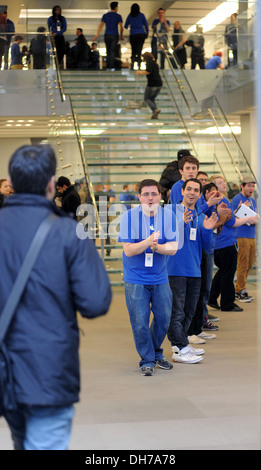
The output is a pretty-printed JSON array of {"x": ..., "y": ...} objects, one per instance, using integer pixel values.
[
  {"x": 69, "y": 196},
  {"x": 43, "y": 338},
  {"x": 171, "y": 175},
  {"x": 38, "y": 49},
  {"x": 147, "y": 233},
  {"x": 83, "y": 51},
  {"x": 161, "y": 28},
  {"x": 188, "y": 167},
  {"x": 113, "y": 21},
  {"x": 184, "y": 270}
]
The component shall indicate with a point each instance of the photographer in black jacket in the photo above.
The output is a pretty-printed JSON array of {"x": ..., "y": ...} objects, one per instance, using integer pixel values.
[
  {"x": 69, "y": 197},
  {"x": 171, "y": 175}
]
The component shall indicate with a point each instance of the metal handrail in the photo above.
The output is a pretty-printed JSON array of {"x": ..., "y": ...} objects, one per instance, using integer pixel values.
[
  {"x": 235, "y": 138},
  {"x": 167, "y": 54},
  {"x": 81, "y": 148},
  {"x": 59, "y": 77},
  {"x": 181, "y": 117}
]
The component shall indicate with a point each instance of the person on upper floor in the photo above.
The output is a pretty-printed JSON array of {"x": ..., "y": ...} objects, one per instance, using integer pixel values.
[
  {"x": 38, "y": 48},
  {"x": 16, "y": 54},
  {"x": 6, "y": 26},
  {"x": 179, "y": 40},
  {"x": 159, "y": 41},
  {"x": 95, "y": 57},
  {"x": 215, "y": 62},
  {"x": 113, "y": 32},
  {"x": 197, "y": 41},
  {"x": 57, "y": 25},
  {"x": 82, "y": 55},
  {"x": 139, "y": 30},
  {"x": 232, "y": 31}
]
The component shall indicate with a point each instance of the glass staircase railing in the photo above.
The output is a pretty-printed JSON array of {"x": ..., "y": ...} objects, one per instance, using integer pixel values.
[
  {"x": 206, "y": 119},
  {"x": 122, "y": 145}
]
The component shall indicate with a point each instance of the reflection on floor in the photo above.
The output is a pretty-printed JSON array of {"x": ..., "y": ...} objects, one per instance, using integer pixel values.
[{"x": 210, "y": 405}]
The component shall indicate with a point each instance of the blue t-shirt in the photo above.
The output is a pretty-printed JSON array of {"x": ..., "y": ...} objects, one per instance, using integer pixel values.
[
  {"x": 186, "y": 262},
  {"x": 135, "y": 226},
  {"x": 111, "y": 20},
  {"x": 213, "y": 63},
  {"x": 160, "y": 27},
  {"x": 244, "y": 231},
  {"x": 138, "y": 24},
  {"x": 176, "y": 198},
  {"x": 16, "y": 54},
  {"x": 58, "y": 27},
  {"x": 227, "y": 237}
]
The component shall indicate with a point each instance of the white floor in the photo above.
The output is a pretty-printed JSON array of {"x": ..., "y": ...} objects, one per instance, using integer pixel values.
[{"x": 212, "y": 405}]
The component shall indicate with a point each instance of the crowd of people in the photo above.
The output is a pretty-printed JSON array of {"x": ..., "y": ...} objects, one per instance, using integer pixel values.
[
  {"x": 170, "y": 251},
  {"x": 82, "y": 55},
  {"x": 207, "y": 232},
  {"x": 172, "y": 232}
]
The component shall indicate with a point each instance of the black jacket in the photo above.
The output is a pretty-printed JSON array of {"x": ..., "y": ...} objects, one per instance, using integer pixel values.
[
  {"x": 83, "y": 51},
  {"x": 68, "y": 277},
  {"x": 170, "y": 175},
  {"x": 70, "y": 201}
]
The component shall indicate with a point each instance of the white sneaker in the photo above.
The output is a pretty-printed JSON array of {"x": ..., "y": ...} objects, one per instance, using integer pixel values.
[
  {"x": 196, "y": 351},
  {"x": 195, "y": 340},
  {"x": 206, "y": 335},
  {"x": 184, "y": 355}
]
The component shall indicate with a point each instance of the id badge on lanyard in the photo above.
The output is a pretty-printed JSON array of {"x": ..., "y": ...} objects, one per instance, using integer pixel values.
[
  {"x": 193, "y": 234},
  {"x": 148, "y": 260},
  {"x": 193, "y": 231}
]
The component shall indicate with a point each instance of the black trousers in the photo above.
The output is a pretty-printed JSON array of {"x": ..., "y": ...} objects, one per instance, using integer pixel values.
[
  {"x": 136, "y": 41},
  {"x": 197, "y": 59},
  {"x": 198, "y": 318},
  {"x": 223, "y": 282}
]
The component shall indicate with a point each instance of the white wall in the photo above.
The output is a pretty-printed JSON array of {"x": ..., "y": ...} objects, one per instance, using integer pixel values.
[{"x": 7, "y": 147}]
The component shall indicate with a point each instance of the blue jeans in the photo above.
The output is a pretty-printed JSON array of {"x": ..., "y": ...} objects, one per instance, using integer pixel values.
[
  {"x": 111, "y": 41},
  {"x": 150, "y": 94},
  {"x": 41, "y": 427},
  {"x": 141, "y": 300},
  {"x": 185, "y": 293}
]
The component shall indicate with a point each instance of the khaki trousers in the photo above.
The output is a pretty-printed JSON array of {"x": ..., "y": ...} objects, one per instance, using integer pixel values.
[{"x": 245, "y": 261}]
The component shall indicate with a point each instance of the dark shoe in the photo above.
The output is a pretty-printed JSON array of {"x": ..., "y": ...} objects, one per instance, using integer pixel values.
[
  {"x": 148, "y": 371},
  {"x": 155, "y": 113},
  {"x": 243, "y": 297},
  {"x": 212, "y": 318},
  {"x": 209, "y": 327},
  {"x": 214, "y": 305},
  {"x": 235, "y": 308},
  {"x": 164, "y": 364}
]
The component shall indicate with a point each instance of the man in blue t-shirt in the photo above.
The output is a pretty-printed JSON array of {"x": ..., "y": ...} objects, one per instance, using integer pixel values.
[
  {"x": 161, "y": 27},
  {"x": 113, "y": 21},
  {"x": 246, "y": 239},
  {"x": 184, "y": 269},
  {"x": 148, "y": 234},
  {"x": 215, "y": 62}
]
